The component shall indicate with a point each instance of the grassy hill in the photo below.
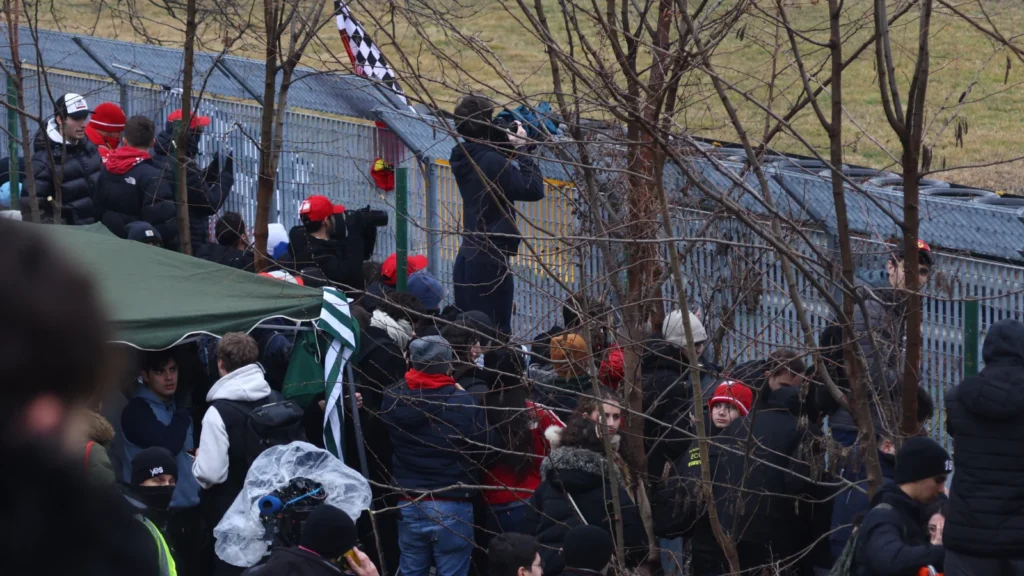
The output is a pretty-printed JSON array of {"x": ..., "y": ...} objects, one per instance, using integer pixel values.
[{"x": 439, "y": 65}]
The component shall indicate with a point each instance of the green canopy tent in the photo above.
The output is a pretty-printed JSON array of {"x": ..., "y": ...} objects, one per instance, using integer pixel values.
[{"x": 157, "y": 298}]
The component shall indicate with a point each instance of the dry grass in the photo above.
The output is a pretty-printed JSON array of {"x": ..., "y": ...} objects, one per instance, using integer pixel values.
[{"x": 961, "y": 58}]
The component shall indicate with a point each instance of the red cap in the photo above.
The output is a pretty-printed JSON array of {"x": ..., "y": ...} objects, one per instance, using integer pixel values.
[
  {"x": 389, "y": 269},
  {"x": 921, "y": 245},
  {"x": 197, "y": 121},
  {"x": 318, "y": 208},
  {"x": 735, "y": 393},
  {"x": 108, "y": 117}
]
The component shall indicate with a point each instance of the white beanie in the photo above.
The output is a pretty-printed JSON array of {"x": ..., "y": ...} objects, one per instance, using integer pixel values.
[{"x": 675, "y": 333}]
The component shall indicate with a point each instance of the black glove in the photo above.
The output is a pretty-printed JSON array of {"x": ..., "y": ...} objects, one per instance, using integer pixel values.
[{"x": 212, "y": 173}]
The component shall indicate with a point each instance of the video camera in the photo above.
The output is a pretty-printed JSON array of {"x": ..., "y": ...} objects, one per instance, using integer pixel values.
[
  {"x": 362, "y": 221},
  {"x": 283, "y": 512}
]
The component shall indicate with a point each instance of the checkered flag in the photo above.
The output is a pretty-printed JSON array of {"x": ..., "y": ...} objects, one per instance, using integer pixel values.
[{"x": 364, "y": 54}]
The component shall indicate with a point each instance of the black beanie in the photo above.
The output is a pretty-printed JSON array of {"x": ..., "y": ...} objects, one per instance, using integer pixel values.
[
  {"x": 153, "y": 462},
  {"x": 329, "y": 532},
  {"x": 587, "y": 548},
  {"x": 921, "y": 458}
]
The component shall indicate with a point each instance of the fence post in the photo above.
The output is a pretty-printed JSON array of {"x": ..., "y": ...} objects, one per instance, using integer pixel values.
[
  {"x": 402, "y": 226},
  {"x": 12, "y": 142},
  {"x": 433, "y": 219},
  {"x": 971, "y": 329},
  {"x": 122, "y": 89}
]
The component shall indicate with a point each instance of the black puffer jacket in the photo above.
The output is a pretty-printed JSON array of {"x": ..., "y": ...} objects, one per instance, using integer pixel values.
[
  {"x": 668, "y": 399},
  {"x": 585, "y": 476},
  {"x": 75, "y": 169},
  {"x": 130, "y": 190},
  {"x": 985, "y": 417},
  {"x": 208, "y": 188},
  {"x": 892, "y": 540}
]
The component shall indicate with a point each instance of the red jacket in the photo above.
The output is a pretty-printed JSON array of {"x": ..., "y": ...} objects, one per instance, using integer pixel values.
[{"x": 499, "y": 475}]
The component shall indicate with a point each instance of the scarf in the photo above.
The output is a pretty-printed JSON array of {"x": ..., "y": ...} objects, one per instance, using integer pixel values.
[
  {"x": 417, "y": 380},
  {"x": 123, "y": 159},
  {"x": 398, "y": 330}
]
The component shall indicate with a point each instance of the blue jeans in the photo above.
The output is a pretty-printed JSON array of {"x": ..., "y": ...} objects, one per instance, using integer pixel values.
[
  {"x": 504, "y": 518},
  {"x": 672, "y": 560},
  {"x": 435, "y": 533}
]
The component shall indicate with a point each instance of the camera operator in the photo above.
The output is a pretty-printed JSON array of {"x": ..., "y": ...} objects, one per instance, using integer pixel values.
[
  {"x": 331, "y": 245},
  {"x": 491, "y": 177}
]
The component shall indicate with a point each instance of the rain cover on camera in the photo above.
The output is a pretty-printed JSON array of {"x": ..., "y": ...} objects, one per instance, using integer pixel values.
[{"x": 240, "y": 533}]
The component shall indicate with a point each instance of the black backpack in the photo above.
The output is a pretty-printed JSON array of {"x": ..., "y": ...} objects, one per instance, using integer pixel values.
[{"x": 274, "y": 423}]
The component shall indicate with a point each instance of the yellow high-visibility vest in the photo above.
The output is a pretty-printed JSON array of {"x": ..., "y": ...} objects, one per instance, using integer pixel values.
[{"x": 163, "y": 550}]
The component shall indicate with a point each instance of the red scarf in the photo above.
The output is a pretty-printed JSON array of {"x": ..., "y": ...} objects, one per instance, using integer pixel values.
[
  {"x": 124, "y": 158},
  {"x": 105, "y": 144},
  {"x": 422, "y": 381}
]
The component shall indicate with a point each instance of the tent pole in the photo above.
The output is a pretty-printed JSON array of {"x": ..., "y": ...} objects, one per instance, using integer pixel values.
[{"x": 402, "y": 226}]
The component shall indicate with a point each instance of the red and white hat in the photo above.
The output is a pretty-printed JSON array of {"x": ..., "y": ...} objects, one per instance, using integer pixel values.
[
  {"x": 318, "y": 208},
  {"x": 108, "y": 117},
  {"x": 735, "y": 393}
]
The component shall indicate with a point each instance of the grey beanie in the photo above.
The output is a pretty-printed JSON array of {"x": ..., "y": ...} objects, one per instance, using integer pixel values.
[{"x": 431, "y": 355}]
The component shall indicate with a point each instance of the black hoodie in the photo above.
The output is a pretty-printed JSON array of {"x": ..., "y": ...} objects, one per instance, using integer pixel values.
[
  {"x": 487, "y": 203},
  {"x": 985, "y": 417}
]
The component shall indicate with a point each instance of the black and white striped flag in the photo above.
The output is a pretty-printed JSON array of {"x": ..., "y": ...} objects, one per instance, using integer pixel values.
[{"x": 364, "y": 54}]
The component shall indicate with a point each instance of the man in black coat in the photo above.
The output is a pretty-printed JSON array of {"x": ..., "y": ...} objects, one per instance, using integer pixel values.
[
  {"x": 208, "y": 188},
  {"x": 892, "y": 540},
  {"x": 491, "y": 177},
  {"x": 66, "y": 164},
  {"x": 984, "y": 530},
  {"x": 131, "y": 188},
  {"x": 232, "y": 247}
]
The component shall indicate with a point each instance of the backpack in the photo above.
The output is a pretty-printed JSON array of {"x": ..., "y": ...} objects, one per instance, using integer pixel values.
[
  {"x": 844, "y": 564},
  {"x": 276, "y": 423}
]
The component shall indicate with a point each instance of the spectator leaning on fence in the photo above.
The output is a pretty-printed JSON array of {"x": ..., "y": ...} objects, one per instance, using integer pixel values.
[
  {"x": 881, "y": 326},
  {"x": 66, "y": 164},
  {"x": 131, "y": 188},
  {"x": 208, "y": 188},
  {"x": 492, "y": 174}
]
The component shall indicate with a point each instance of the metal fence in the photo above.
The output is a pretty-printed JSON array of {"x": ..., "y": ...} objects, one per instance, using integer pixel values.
[{"x": 331, "y": 155}]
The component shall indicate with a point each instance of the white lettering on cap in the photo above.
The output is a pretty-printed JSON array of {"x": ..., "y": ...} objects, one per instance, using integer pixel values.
[
  {"x": 149, "y": 233},
  {"x": 949, "y": 465},
  {"x": 156, "y": 471},
  {"x": 304, "y": 207}
]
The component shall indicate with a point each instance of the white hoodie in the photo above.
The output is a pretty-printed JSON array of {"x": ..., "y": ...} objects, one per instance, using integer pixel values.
[{"x": 246, "y": 384}]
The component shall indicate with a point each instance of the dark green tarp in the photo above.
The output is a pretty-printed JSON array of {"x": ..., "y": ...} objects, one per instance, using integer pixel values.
[{"x": 157, "y": 297}]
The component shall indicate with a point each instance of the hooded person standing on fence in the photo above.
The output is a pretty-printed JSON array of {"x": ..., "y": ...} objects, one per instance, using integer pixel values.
[
  {"x": 492, "y": 175},
  {"x": 66, "y": 164},
  {"x": 209, "y": 187}
]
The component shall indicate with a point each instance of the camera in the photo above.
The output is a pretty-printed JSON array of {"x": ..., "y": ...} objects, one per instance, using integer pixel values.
[{"x": 283, "y": 512}]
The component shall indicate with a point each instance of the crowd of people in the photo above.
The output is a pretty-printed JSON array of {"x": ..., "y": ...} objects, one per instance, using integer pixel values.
[{"x": 484, "y": 455}]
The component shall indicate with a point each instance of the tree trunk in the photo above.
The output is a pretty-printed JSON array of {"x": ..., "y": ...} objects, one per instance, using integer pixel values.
[
  {"x": 267, "y": 171},
  {"x": 181, "y": 179},
  {"x": 26, "y": 138}
]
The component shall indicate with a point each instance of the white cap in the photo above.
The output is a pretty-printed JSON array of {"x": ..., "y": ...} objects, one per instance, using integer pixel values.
[
  {"x": 71, "y": 103},
  {"x": 674, "y": 332}
]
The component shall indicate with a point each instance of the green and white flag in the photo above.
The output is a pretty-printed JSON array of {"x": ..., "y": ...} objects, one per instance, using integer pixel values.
[{"x": 336, "y": 320}]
